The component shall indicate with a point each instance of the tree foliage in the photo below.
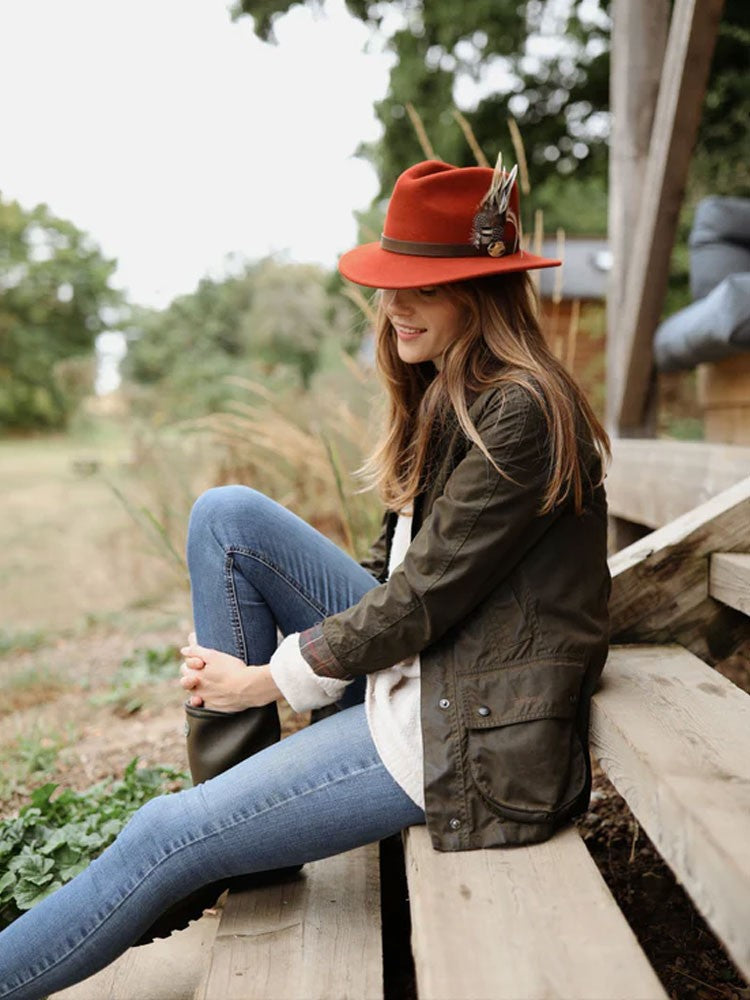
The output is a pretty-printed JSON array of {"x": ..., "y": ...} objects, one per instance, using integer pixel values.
[
  {"x": 54, "y": 293},
  {"x": 546, "y": 63},
  {"x": 271, "y": 319}
]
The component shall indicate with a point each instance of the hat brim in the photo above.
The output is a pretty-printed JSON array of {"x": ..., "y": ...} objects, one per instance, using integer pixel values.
[{"x": 372, "y": 266}]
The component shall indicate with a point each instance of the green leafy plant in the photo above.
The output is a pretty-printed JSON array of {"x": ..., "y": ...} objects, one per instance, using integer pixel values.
[
  {"x": 32, "y": 753},
  {"x": 135, "y": 676},
  {"x": 54, "y": 837}
]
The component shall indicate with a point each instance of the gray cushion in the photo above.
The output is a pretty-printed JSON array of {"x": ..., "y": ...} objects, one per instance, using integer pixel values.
[
  {"x": 719, "y": 242},
  {"x": 714, "y": 327}
]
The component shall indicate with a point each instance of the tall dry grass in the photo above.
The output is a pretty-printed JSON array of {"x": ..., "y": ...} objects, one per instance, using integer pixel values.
[{"x": 299, "y": 448}]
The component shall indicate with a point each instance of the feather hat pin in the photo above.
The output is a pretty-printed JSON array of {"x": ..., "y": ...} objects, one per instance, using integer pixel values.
[{"x": 488, "y": 228}]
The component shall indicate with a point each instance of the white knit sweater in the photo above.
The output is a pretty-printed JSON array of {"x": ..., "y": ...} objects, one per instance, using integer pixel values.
[{"x": 391, "y": 698}]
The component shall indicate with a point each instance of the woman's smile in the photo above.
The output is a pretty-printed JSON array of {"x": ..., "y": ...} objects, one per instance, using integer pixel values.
[
  {"x": 425, "y": 321},
  {"x": 408, "y": 332}
]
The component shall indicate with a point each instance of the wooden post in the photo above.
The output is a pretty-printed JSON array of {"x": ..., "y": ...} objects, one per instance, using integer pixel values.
[
  {"x": 690, "y": 45},
  {"x": 639, "y": 37}
]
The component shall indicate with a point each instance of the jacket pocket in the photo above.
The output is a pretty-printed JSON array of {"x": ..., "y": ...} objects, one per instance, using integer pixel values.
[{"x": 524, "y": 751}]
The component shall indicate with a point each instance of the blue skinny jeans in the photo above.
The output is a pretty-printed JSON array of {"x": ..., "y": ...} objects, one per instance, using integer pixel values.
[{"x": 253, "y": 565}]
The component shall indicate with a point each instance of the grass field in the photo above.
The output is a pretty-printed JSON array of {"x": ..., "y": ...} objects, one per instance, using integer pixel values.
[
  {"x": 88, "y": 599},
  {"x": 71, "y": 553}
]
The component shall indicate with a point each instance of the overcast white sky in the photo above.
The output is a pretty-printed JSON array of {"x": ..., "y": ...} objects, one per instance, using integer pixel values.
[{"x": 174, "y": 137}]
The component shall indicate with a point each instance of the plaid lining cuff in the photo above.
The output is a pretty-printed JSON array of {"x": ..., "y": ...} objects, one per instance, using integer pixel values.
[
  {"x": 315, "y": 649},
  {"x": 297, "y": 681}
]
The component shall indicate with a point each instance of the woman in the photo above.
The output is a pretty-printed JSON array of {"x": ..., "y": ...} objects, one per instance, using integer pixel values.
[{"x": 477, "y": 627}]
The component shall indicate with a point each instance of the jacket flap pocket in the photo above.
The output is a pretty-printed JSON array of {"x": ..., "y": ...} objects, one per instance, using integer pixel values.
[{"x": 544, "y": 689}]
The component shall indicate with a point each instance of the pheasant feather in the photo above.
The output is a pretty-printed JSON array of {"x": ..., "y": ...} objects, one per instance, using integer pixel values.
[{"x": 487, "y": 232}]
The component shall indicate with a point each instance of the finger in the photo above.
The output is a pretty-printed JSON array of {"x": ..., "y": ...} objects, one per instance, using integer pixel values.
[
  {"x": 189, "y": 679},
  {"x": 192, "y": 640},
  {"x": 195, "y": 662},
  {"x": 195, "y": 650},
  {"x": 196, "y": 701}
]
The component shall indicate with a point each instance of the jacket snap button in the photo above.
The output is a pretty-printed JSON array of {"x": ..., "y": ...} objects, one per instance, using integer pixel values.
[
  {"x": 483, "y": 710},
  {"x": 444, "y": 703},
  {"x": 455, "y": 824}
]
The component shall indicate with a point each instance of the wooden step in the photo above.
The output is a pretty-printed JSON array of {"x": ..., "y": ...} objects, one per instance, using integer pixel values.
[
  {"x": 673, "y": 736},
  {"x": 729, "y": 579},
  {"x": 520, "y": 923},
  {"x": 660, "y": 583},
  {"x": 164, "y": 970},
  {"x": 317, "y": 937},
  {"x": 653, "y": 481}
]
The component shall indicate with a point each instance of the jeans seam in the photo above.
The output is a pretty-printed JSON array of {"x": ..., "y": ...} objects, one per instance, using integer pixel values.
[
  {"x": 265, "y": 561},
  {"x": 231, "y": 594},
  {"x": 183, "y": 847},
  {"x": 234, "y": 609}
]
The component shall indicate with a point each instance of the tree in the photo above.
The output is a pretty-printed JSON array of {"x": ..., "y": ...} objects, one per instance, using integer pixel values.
[
  {"x": 270, "y": 320},
  {"x": 54, "y": 297},
  {"x": 289, "y": 316},
  {"x": 558, "y": 94},
  {"x": 551, "y": 63}
]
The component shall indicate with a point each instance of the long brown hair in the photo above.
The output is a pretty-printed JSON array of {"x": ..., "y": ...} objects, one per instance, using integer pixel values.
[{"x": 500, "y": 342}]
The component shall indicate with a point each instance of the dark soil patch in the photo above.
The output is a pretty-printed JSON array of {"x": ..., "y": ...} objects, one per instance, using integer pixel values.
[{"x": 688, "y": 958}]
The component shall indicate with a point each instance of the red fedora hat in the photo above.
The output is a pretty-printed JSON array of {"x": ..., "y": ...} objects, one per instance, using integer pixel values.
[{"x": 445, "y": 224}]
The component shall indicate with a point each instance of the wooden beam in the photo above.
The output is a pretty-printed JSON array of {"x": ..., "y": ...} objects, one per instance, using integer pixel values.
[
  {"x": 638, "y": 40},
  {"x": 660, "y": 583},
  {"x": 652, "y": 482},
  {"x": 692, "y": 35},
  {"x": 673, "y": 736},
  {"x": 311, "y": 938},
  {"x": 729, "y": 579},
  {"x": 497, "y": 923}
]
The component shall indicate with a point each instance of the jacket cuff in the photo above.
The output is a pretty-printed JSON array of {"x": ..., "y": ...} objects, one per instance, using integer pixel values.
[
  {"x": 314, "y": 647},
  {"x": 301, "y": 687}
]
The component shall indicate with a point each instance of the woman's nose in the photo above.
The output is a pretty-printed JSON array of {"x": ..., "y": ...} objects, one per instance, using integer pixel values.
[{"x": 397, "y": 300}]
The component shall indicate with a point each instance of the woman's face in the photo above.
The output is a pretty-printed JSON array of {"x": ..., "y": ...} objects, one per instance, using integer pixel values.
[{"x": 426, "y": 320}]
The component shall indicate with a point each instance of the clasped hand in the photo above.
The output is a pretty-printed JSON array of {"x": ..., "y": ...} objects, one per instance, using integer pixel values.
[{"x": 223, "y": 682}]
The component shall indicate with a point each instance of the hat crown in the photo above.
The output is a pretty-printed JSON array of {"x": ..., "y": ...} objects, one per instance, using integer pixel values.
[{"x": 435, "y": 202}]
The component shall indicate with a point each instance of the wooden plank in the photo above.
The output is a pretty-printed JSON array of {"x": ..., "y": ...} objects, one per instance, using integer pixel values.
[
  {"x": 660, "y": 583},
  {"x": 728, "y": 423},
  {"x": 729, "y": 579},
  {"x": 638, "y": 40},
  {"x": 653, "y": 482},
  {"x": 673, "y": 736},
  {"x": 170, "y": 969},
  {"x": 692, "y": 35},
  {"x": 519, "y": 924},
  {"x": 724, "y": 383},
  {"x": 314, "y": 938}
]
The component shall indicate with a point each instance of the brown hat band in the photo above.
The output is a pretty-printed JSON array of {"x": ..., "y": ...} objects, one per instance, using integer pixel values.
[{"x": 430, "y": 249}]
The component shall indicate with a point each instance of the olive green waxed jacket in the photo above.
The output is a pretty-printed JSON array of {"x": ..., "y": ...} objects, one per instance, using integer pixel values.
[{"x": 508, "y": 611}]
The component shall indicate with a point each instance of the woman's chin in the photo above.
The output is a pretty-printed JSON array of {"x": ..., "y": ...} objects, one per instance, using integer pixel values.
[{"x": 412, "y": 354}]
